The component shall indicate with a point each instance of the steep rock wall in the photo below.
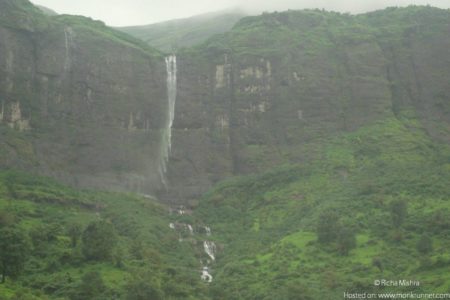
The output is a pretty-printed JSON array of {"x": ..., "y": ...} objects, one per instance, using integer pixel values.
[
  {"x": 261, "y": 95},
  {"x": 79, "y": 104},
  {"x": 88, "y": 105}
]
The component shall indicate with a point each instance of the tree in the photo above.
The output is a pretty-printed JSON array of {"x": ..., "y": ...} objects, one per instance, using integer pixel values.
[
  {"x": 42, "y": 235},
  {"x": 6, "y": 218},
  {"x": 74, "y": 231},
  {"x": 328, "y": 227},
  {"x": 14, "y": 250},
  {"x": 377, "y": 262},
  {"x": 144, "y": 286},
  {"x": 292, "y": 290},
  {"x": 99, "y": 240},
  {"x": 91, "y": 287},
  {"x": 346, "y": 240},
  {"x": 425, "y": 244},
  {"x": 399, "y": 211},
  {"x": 298, "y": 291}
]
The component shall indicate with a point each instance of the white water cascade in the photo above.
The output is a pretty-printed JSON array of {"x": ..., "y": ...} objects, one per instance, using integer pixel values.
[
  {"x": 68, "y": 41},
  {"x": 166, "y": 141},
  {"x": 205, "y": 275},
  {"x": 182, "y": 227},
  {"x": 210, "y": 249},
  {"x": 208, "y": 230},
  {"x": 187, "y": 233}
]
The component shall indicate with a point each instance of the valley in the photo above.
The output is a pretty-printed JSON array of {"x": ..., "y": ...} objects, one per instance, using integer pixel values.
[{"x": 294, "y": 155}]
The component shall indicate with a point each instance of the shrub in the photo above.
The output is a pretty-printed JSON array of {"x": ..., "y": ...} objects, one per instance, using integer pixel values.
[
  {"x": 399, "y": 211},
  {"x": 424, "y": 244},
  {"x": 14, "y": 250},
  {"x": 328, "y": 227},
  {"x": 91, "y": 287},
  {"x": 346, "y": 241},
  {"x": 99, "y": 240}
]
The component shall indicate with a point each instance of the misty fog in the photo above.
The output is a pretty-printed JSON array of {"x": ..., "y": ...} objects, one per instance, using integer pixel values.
[{"x": 139, "y": 12}]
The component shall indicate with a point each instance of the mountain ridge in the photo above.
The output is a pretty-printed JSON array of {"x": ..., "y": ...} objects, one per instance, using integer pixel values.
[
  {"x": 283, "y": 80},
  {"x": 310, "y": 154},
  {"x": 170, "y": 35},
  {"x": 61, "y": 93}
]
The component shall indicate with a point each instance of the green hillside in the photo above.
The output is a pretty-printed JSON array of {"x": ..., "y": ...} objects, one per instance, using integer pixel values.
[
  {"x": 309, "y": 156},
  {"x": 255, "y": 97},
  {"x": 170, "y": 35},
  {"x": 373, "y": 205},
  {"x": 47, "y": 11},
  {"x": 89, "y": 245}
]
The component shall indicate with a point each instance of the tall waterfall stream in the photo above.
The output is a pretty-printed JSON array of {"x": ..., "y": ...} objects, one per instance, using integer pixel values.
[
  {"x": 166, "y": 139},
  {"x": 209, "y": 247}
]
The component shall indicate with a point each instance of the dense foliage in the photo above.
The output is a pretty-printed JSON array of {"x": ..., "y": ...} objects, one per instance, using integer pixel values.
[
  {"x": 61, "y": 243},
  {"x": 171, "y": 35},
  {"x": 374, "y": 205},
  {"x": 367, "y": 202}
]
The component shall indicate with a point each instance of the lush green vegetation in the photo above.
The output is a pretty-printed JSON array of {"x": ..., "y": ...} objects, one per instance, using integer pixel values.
[
  {"x": 21, "y": 14},
  {"x": 314, "y": 30},
  {"x": 171, "y": 35},
  {"x": 367, "y": 204},
  {"x": 374, "y": 205},
  {"x": 98, "y": 28},
  {"x": 24, "y": 15},
  {"x": 60, "y": 243}
]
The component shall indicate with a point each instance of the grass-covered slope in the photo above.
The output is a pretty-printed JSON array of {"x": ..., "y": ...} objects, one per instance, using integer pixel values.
[
  {"x": 99, "y": 29},
  {"x": 47, "y": 11},
  {"x": 379, "y": 198},
  {"x": 171, "y": 35},
  {"x": 24, "y": 15},
  {"x": 353, "y": 109},
  {"x": 73, "y": 244},
  {"x": 373, "y": 205}
]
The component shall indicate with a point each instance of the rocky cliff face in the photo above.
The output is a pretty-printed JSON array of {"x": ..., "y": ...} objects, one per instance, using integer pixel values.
[
  {"x": 78, "y": 102},
  {"x": 260, "y": 95},
  {"x": 86, "y": 104}
]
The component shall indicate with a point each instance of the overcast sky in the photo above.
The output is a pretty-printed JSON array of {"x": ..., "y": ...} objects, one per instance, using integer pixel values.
[{"x": 139, "y": 12}]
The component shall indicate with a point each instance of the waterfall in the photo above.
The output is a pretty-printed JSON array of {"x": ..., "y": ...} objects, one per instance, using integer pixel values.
[
  {"x": 208, "y": 230},
  {"x": 1, "y": 113},
  {"x": 210, "y": 249},
  {"x": 205, "y": 275},
  {"x": 166, "y": 142},
  {"x": 187, "y": 233},
  {"x": 181, "y": 210},
  {"x": 68, "y": 40}
]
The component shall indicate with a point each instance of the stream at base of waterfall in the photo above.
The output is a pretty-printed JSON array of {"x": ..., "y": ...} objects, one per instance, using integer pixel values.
[{"x": 187, "y": 232}]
